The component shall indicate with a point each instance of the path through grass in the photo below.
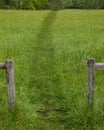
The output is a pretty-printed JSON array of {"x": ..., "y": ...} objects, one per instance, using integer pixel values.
[
  {"x": 44, "y": 87},
  {"x": 45, "y": 91},
  {"x": 43, "y": 63}
]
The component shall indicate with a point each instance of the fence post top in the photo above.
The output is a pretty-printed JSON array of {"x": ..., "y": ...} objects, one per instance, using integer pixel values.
[
  {"x": 9, "y": 60},
  {"x": 90, "y": 61}
]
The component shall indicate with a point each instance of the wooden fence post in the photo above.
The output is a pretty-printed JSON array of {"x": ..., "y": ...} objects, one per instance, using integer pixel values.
[
  {"x": 91, "y": 69},
  {"x": 10, "y": 84}
]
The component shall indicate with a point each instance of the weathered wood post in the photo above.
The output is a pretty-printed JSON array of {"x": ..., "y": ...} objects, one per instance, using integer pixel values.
[
  {"x": 91, "y": 70},
  {"x": 9, "y": 66}
]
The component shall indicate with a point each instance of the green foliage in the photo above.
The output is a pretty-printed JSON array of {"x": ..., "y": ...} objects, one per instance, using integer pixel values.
[
  {"x": 52, "y": 4},
  {"x": 56, "y": 4},
  {"x": 102, "y": 4},
  {"x": 92, "y": 4},
  {"x": 68, "y": 3},
  {"x": 28, "y": 4},
  {"x": 40, "y": 4},
  {"x": 2, "y": 4},
  {"x": 50, "y": 49}
]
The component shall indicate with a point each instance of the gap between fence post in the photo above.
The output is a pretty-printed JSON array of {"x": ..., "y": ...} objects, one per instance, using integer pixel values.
[
  {"x": 10, "y": 84},
  {"x": 91, "y": 71}
]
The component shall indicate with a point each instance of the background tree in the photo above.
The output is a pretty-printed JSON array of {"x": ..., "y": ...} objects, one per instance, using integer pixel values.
[
  {"x": 75, "y": 4},
  {"x": 56, "y": 4},
  {"x": 1, "y": 4},
  {"x": 102, "y": 4},
  {"x": 52, "y": 4},
  {"x": 40, "y": 4},
  {"x": 28, "y": 4},
  {"x": 68, "y": 3}
]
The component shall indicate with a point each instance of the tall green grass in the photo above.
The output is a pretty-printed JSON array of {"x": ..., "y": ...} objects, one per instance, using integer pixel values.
[{"x": 50, "y": 49}]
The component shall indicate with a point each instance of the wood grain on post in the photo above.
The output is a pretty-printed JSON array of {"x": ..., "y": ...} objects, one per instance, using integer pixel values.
[
  {"x": 10, "y": 84},
  {"x": 91, "y": 69}
]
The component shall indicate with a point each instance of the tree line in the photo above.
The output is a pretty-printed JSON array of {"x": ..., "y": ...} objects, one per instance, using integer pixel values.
[{"x": 51, "y": 4}]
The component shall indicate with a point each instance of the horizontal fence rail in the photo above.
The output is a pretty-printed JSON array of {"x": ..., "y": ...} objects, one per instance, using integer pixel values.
[
  {"x": 2, "y": 65},
  {"x": 99, "y": 66},
  {"x": 9, "y": 67}
]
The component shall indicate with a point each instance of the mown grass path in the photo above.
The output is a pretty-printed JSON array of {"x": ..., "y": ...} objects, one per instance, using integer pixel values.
[{"x": 43, "y": 67}]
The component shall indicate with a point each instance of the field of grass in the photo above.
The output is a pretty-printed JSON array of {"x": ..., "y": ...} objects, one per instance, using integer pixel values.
[{"x": 50, "y": 50}]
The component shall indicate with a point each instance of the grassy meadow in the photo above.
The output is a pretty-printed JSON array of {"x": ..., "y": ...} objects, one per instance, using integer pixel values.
[{"x": 50, "y": 50}]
